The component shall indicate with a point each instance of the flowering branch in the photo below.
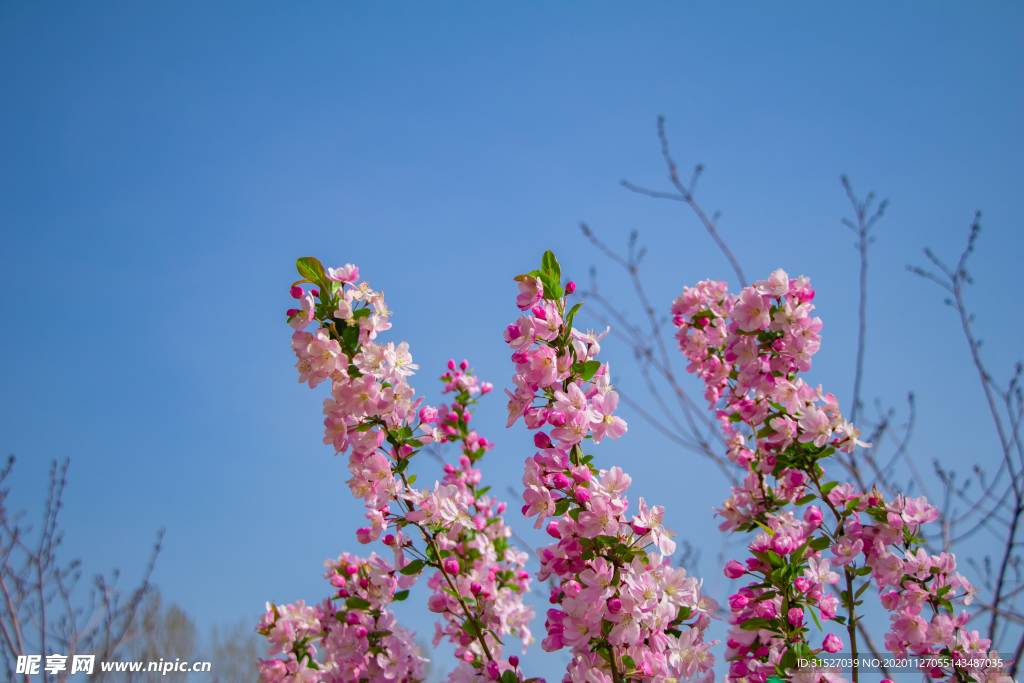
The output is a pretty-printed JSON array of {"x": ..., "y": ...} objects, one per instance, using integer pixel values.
[
  {"x": 479, "y": 578},
  {"x": 749, "y": 350},
  {"x": 620, "y": 606}
]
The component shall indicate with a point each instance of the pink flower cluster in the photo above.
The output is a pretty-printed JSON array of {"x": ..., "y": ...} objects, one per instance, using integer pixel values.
[
  {"x": 479, "y": 578},
  {"x": 749, "y": 350},
  {"x": 621, "y": 607},
  {"x": 359, "y": 638}
]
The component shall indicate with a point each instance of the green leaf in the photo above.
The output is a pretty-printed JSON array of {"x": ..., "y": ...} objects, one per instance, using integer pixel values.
[
  {"x": 628, "y": 662},
  {"x": 412, "y": 568},
  {"x": 571, "y": 315},
  {"x": 590, "y": 368},
  {"x": 806, "y": 499},
  {"x": 820, "y": 543},
  {"x": 401, "y": 595},
  {"x": 788, "y": 660},
  {"x": 815, "y": 617},
  {"x": 412, "y": 480},
  {"x": 575, "y": 514},
  {"x": 509, "y": 677},
  {"x": 311, "y": 269},
  {"x": 356, "y": 603},
  {"x": 863, "y": 571},
  {"x": 552, "y": 290},
  {"x": 473, "y": 627},
  {"x": 549, "y": 264},
  {"x": 828, "y": 487},
  {"x": 350, "y": 335},
  {"x": 561, "y": 507},
  {"x": 754, "y": 624}
]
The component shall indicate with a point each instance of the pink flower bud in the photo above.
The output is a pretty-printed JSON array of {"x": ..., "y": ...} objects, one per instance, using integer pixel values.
[
  {"x": 570, "y": 287},
  {"x": 451, "y": 566},
  {"x": 514, "y": 661},
  {"x": 766, "y": 610},
  {"x": 360, "y": 632},
  {"x": 364, "y": 582},
  {"x": 737, "y": 602},
  {"x": 467, "y": 416},
  {"x": 451, "y": 364},
  {"x": 541, "y": 440},
  {"x": 352, "y": 618},
  {"x": 813, "y": 516},
  {"x": 572, "y": 588},
  {"x": 783, "y": 544},
  {"x": 337, "y": 580},
  {"x": 734, "y": 569},
  {"x": 492, "y": 670},
  {"x": 501, "y": 508},
  {"x": 475, "y": 588},
  {"x": 556, "y": 418},
  {"x": 486, "y": 387},
  {"x": 464, "y": 365},
  {"x": 296, "y": 292},
  {"x": 796, "y": 616},
  {"x": 832, "y": 643},
  {"x": 614, "y": 606},
  {"x": 351, "y": 570},
  {"x": 539, "y": 312},
  {"x": 316, "y": 293},
  {"x": 560, "y": 481},
  {"x": 638, "y": 530},
  {"x": 552, "y": 529},
  {"x": 291, "y": 311},
  {"x": 389, "y": 539},
  {"x": 582, "y": 494},
  {"x": 802, "y": 584}
]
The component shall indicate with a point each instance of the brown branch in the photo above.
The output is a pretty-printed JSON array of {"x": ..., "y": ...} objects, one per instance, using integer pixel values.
[{"x": 685, "y": 194}]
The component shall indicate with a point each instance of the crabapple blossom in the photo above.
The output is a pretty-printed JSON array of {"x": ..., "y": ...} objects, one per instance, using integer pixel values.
[
  {"x": 619, "y": 605},
  {"x": 373, "y": 416},
  {"x": 750, "y": 350}
]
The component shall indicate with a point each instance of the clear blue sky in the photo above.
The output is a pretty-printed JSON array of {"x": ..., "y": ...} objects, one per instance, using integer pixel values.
[{"x": 163, "y": 164}]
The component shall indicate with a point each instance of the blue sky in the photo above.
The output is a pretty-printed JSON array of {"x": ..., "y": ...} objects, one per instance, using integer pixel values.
[{"x": 162, "y": 166}]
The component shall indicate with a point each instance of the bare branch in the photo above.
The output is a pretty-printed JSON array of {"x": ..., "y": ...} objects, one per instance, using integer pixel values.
[{"x": 685, "y": 194}]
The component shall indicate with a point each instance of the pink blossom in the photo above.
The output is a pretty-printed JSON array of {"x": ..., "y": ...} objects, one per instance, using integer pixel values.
[
  {"x": 348, "y": 274},
  {"x": 530, "y": 292},
  {"x": 751, "y": 311},
  {"x": 604, "y": 422},
  {"x": 832, "y": 643}
]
